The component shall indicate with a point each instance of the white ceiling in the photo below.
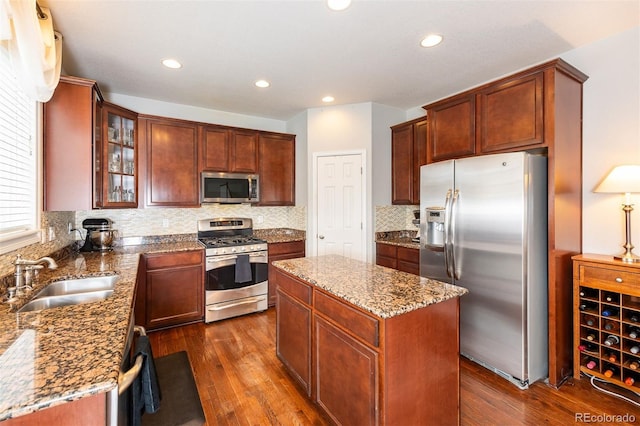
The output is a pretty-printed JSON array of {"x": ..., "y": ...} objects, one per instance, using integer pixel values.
[{"x": 368, "y": 53}]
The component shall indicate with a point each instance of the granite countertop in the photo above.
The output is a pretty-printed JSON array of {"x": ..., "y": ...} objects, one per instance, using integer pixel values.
[
  {"x": 280, "y": 235},
  {"x": 384, "y": 292},
  {"x": 395, "y": 238},
  {"x": 63, "y": 354}
]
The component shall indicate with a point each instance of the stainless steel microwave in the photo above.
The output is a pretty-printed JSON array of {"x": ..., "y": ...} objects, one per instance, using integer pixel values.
[{"x": 229, "y": 188}]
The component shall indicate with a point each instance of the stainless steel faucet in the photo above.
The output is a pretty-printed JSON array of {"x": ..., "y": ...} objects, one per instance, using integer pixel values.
[{"x": 23, "y": 265}]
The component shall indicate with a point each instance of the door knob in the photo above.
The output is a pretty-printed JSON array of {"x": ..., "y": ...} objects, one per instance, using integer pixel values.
[{"x": 321, "y": 237}]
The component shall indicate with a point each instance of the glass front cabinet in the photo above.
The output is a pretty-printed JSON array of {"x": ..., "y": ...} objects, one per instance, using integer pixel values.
[{"x": 120, "y": 152}]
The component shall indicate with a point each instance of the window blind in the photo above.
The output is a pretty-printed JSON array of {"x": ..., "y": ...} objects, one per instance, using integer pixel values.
[{"x": 18, "y": 172}]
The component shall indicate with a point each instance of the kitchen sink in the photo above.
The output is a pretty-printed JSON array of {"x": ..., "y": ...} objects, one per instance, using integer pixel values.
[
  {"x": 48, "y": 302},
  {"x": 79, "y": 285},
  {"x": 72, "y": 292}
]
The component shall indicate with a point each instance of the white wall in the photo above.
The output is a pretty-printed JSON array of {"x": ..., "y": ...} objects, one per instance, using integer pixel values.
[
  {"x": 611, "y": 134},
  {"x": 193, "y": 113},
  {"x": 298, "y": 126},
  {"x": 383, "y": 118}
]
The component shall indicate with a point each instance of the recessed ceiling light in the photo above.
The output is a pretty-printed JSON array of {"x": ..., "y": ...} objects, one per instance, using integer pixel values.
[
  {"x": 431, "y": 40},
  {"x": 171, "y": 63},
  {"x": 328, "y": 99},
  {"x": 262, "y": 83},
  {"x": 338, "y": 4}
]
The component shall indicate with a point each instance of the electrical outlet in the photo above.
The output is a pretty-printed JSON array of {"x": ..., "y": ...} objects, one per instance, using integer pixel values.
[
  {"x": 69, "y": 228},
  {"x": 165, "y": 223},
  {"x": 260, "y": 218},
  {"x": 52, "y": 233}
]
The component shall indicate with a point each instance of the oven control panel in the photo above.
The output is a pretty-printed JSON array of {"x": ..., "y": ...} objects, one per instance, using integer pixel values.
[{"x": 235, "y": 249}]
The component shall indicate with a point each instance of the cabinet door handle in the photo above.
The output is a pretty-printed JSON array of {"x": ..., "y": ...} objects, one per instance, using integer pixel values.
[
  {"x": 618, "y": 280},
  {"x": 321, "y": 237}
]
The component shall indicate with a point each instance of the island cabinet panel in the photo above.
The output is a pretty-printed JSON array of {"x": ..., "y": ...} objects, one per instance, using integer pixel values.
[
  {"x": 363, "y": 326},
  {"x": 511, "y": 114},
  {"x": 293, "y": 329},
  {"x": 346, "y": 376},
  {"x": 281, "y": 251},
  {"x": 170, "y": 289},
  {"x": 172, "y": 172},
  {"x": 369, "y": 370}
]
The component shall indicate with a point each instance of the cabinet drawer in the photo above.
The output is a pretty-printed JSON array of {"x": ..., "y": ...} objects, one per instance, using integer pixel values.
[
  {"x": 386, "y": 250},
  {"x": 289, "y": 248},
  {"x": 358, "y": 323},
  {"x": 592, "y": 275},
  {"x": 294, "y": 287},
  {"x": 168, "y": 260},
  {"x": 409, "y": 255}
]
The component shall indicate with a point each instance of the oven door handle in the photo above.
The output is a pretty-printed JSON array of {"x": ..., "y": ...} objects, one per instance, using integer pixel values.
[
  {"x": 217, "y": 259},
  {"x": 221, "y": 306}
]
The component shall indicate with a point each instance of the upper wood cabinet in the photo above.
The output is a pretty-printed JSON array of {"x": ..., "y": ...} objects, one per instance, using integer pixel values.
[
  {"x": 510, "y": 114},
  {"x": 408, "y": 153},
  {"x": 225, "y": 149},
  {"x": 120, "y": 157},
  {"x": 215, "y": 148},
  {"x": 172, "y": 173},
  {"x": 72, "y": 146},
  {"x": 452, "y": 128},
  {"x": 243, "y": 152},
  {"x": 277, "y": 169}
]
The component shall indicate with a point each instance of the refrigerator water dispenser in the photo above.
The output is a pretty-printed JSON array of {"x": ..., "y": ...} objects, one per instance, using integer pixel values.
[{"x": 435, "y": 228}]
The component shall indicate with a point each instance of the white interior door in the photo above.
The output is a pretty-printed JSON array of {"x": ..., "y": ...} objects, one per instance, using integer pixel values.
[{"x": 340, "y": 221}]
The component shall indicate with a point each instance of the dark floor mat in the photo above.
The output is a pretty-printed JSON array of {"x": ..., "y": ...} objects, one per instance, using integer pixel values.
[{"x": 180, "y": 404}]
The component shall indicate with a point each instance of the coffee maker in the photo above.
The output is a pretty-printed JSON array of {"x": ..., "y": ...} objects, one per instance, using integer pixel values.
[{"x": 100, "y": 235}]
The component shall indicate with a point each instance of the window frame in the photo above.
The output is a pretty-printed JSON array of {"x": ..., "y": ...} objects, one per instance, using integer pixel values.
[{"x": 15, "y": 240}]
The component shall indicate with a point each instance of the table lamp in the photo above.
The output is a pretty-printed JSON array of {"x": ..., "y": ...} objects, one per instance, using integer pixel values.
[{"x": 623, "y": 180}]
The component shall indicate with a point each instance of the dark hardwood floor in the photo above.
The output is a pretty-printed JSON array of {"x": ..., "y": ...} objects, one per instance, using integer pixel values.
[{"x": 241, "y": 382}]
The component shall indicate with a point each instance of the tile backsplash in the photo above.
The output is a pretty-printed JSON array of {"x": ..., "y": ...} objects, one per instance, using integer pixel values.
[
  {"x": 394, "y": 218},
  {"x": 167, "y": 221}
]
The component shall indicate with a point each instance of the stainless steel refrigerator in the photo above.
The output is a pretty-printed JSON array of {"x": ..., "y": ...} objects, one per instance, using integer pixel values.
[{"x": 483, "y": 226}]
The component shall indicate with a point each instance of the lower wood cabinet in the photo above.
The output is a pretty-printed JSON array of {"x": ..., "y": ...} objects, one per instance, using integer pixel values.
[
  {"x": 91, "y": 410},
  {"x": 349, "y": 394},
  {"x": 281, "y": 251},
  {"x": 361, "y": 369},
  {"x": 293, "y": 332},
  {"x": 398, "y": 257},
  {"x": 170, "y": 289}
]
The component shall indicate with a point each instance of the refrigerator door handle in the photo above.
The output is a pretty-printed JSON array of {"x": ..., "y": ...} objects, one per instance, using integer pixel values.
[
  {"x": 447, "y": 232},
  {"x": 452, "y": 232}
]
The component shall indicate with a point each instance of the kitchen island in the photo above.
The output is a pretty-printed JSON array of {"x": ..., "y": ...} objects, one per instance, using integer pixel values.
[
  {"x": 70, "y": 356},
  {"x": 369, "y": 344}
]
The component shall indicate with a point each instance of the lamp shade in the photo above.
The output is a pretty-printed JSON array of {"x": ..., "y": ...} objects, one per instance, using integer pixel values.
[{"x": 621, "y": 179}]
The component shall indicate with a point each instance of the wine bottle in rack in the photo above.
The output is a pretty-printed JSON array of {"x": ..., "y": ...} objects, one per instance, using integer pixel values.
[
  {"x": 609, "y": 326},
  {"x": 592, "y": 337},
  {"x": 629, "y": 381},
  {"x": 634, "y": 365},
  {"x": 609, "y": 311},
  {"x": 591, "y": 364},
  {"x": 634, "y": 333},
  {"x": 634, "y": 349},
  {"x": 612, "y": 357},
  {"x": 610, "y": 371},
  {"x": 612, "y": 340}
]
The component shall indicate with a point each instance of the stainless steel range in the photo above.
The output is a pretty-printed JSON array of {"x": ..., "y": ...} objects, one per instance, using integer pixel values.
[{"x": 236, "y": 278}]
